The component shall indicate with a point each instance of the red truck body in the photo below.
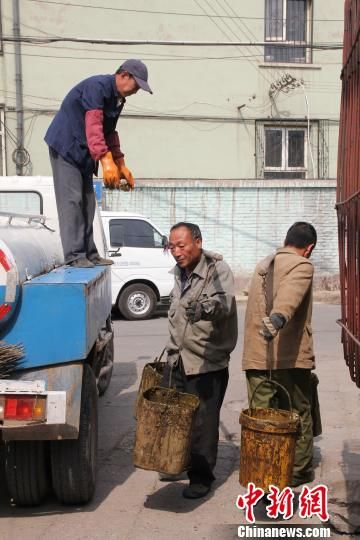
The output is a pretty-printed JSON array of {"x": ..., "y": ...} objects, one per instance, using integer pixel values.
[{"x": 348, "y": 191}]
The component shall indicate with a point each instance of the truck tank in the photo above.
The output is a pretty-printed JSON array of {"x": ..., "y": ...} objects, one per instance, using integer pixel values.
[{"x": 27, "y": 250}]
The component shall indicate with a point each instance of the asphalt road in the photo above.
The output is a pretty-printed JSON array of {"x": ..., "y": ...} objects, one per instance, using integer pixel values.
[{"x": 134, "y": 504}]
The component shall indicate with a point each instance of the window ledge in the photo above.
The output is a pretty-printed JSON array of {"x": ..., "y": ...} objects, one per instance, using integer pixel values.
[{"x": 293, "y": 65}]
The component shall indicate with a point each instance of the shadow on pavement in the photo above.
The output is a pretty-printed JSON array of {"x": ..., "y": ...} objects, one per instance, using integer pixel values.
[
  {"x": 116, "y": 434},
  {"x": 317, "y": 456},
  {"x": 160, "y": 313},
  {"x": 169, "y": 498},
  {"x": 345, "y": 502}
]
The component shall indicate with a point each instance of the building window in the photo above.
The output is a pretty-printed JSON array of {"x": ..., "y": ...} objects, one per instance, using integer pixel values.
[
  {"x": 285, "y": 149},
  {"x": 285, "y": 152},
  {"x": 288, "y": 22}
]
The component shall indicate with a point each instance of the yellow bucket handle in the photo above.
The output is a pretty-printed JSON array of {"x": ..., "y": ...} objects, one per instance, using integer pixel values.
[{"x": 271, "y": 381}]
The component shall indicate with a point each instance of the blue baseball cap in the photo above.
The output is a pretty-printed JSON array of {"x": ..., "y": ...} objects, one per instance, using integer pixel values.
[{"x": 139, "y": 71}]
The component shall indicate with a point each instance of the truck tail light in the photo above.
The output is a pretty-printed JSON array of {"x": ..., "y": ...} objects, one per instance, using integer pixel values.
[{"x": 24, "y": 407}]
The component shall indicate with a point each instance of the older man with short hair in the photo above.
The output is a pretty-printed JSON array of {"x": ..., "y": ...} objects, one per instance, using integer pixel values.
[{"x": 203, "y": 332}]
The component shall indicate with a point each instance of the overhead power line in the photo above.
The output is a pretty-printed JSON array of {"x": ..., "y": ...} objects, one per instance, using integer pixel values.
[
  {"x": 115, "y": 56},
  {"x": 168, "y": 58},
  {"x": 40, "y": 40},
  {"x": 152, "y": 12},
  {"x": 185, "y": 117}
]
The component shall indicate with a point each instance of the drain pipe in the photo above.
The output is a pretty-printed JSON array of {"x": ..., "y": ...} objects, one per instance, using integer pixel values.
[{"x": 17, "y": 155}]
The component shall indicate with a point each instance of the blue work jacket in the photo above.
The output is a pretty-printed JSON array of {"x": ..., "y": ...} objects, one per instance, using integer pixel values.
[{"x": 66, "y": 133}]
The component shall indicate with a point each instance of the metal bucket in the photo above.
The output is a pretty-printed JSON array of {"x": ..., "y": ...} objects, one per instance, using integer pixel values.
[
  {"x": 164, "y": 427},
  {"x": 152, "y": 375},
  {"x": 267, "y": 451}
]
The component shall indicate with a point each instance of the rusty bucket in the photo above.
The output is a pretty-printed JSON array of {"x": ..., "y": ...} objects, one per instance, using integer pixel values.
[
  {"x": 151, "y": 376},
  {"x": 268, "y": 438},
  {"x": 164, "y": 427}
]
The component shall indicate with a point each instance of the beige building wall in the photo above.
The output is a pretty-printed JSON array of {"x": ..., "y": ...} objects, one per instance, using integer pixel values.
[{"x": 200, "y": 122}]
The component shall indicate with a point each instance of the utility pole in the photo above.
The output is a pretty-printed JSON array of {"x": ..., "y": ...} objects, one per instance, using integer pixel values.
[{"x": 18, "y": 153}]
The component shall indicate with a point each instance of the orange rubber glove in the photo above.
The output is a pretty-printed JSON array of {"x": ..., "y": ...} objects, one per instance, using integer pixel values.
[
  {"x": 111, "y": 173},
  {"x": 126, "y": 174}
]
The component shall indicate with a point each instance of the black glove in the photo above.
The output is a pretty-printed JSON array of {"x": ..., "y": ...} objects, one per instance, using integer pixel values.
[
  {"x": 272, "y": 325},
  {"x": 194, "y": 311}
]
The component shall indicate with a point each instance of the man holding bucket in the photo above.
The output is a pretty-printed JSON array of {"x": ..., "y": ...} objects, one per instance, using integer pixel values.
[
  {"x": 203, "y": 333},
  {"x": 278, "y": 340}
]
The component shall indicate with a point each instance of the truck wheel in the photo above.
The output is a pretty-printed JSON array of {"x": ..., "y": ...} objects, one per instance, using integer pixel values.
[
  {"x": 26, "y": 471},
  {"x": 108, "y": 362},
  {"x": 73, "y": 462},
  {"x": 137, "y": 302}
]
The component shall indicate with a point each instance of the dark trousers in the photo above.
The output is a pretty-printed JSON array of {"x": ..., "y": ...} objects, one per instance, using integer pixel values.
[
  {"x": 298, "y": 383},
  {"x": 75, "y": 200},
  {"x": 210, "y": 388}
]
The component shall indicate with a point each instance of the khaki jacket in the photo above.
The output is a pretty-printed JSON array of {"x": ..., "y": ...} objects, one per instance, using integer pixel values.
[
  {"x": 292, "y": 297},
  {"x": 205, "y": 345}
]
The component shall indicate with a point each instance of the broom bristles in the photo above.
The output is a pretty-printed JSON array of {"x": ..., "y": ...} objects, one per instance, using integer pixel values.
[{"x": 10, "y": 358}]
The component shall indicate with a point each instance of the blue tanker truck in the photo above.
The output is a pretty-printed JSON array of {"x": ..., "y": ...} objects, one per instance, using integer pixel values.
[{"x": 61, "y": 317}]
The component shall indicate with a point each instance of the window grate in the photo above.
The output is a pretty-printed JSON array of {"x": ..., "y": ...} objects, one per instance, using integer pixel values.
[
  {"x": 288, "y": 22},
  {"x": 282, "y": 149},
  {"x": 285, "y": 151},
  {"x": 284, "y": 175}
]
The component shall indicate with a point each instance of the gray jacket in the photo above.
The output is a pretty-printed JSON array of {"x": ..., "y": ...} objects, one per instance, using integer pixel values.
[{"x": 205, "y": 345}]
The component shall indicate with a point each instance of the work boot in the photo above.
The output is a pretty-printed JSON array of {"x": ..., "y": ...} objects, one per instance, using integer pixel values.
[
  {"x": 196, "y": 490},
  {"x": 100, "y": 261},
  {"x": 83, "y": 262}
]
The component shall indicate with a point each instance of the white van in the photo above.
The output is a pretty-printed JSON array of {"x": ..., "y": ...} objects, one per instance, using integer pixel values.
[{"x": 141, "y": 277}]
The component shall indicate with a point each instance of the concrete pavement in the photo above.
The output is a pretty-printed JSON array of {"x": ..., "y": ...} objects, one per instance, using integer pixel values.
[{"x": 133, "y": 504}]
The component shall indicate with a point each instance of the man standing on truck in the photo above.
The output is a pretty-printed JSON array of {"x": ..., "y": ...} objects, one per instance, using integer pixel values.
[
  {"x": 82, "y": 134},
  {"x": 278, "y": 340},
  {"x": 203, "y": 333}
]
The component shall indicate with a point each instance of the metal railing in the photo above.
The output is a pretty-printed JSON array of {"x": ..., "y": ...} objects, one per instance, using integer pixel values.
[{"x": 348, "y": 191}]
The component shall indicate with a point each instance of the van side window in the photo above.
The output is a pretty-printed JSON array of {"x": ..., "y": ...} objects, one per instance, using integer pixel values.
[{"x": 135, "y": 233}]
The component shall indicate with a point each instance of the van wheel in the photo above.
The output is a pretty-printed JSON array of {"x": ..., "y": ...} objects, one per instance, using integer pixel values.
[{"x": 137, "y": 302}]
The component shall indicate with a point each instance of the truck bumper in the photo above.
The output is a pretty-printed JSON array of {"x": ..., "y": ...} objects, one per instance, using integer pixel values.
[{"x": 62, "y": 386}]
